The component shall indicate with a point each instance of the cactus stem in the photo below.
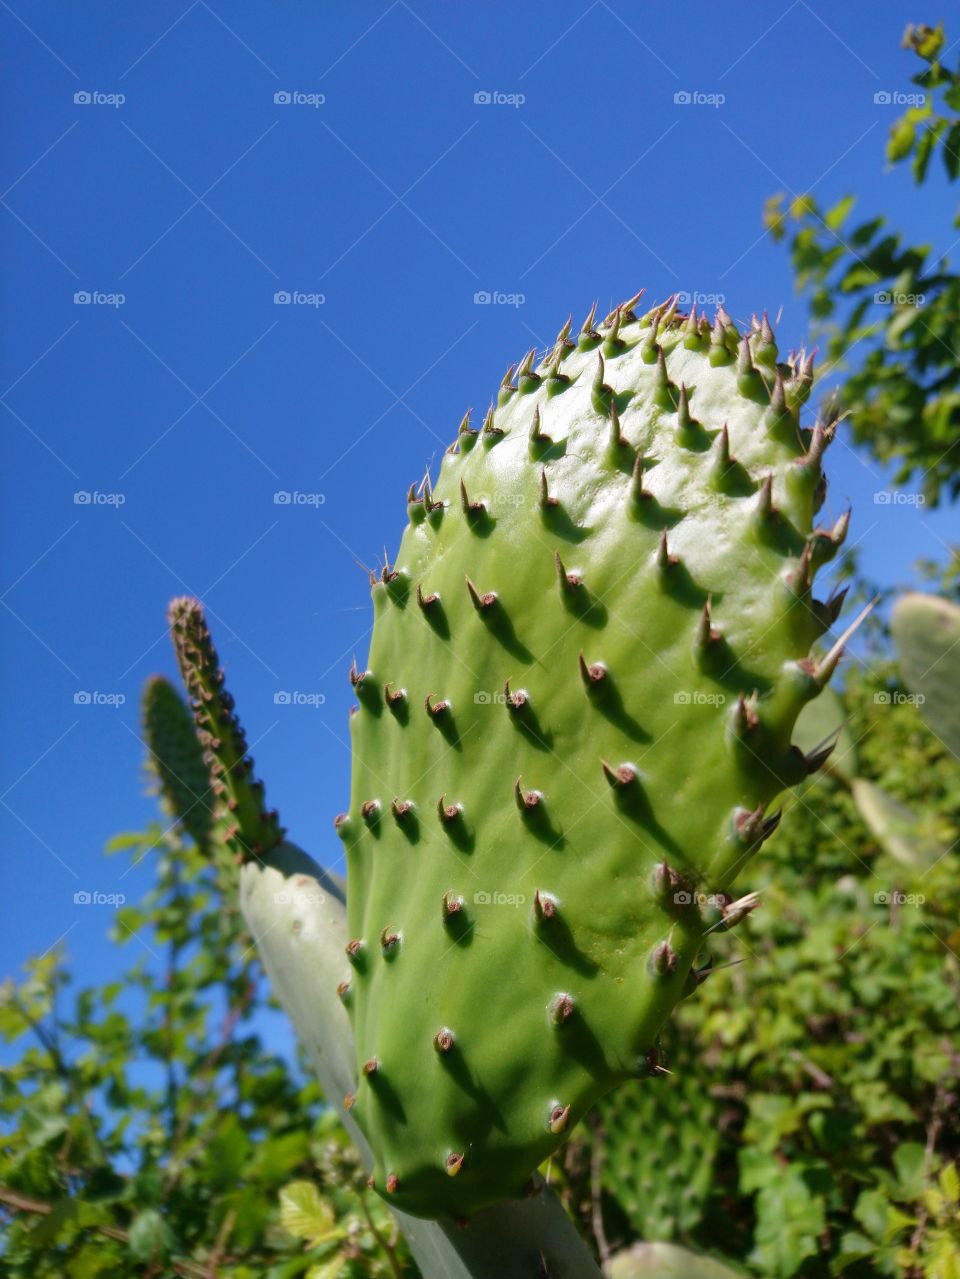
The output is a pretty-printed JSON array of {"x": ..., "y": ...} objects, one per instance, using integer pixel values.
[{"x": 257, "y": 828}]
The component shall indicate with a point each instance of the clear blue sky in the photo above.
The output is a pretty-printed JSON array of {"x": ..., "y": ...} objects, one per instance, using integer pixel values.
[{"x": 199, "y": 196}]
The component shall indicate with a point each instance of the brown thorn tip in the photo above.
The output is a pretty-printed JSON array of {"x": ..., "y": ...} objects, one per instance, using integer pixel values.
[
  {"x": 544, "y": 905},
  {"x": 453, "y": 1164},
  {"x": 619, "y": 777},
  {"x": 561, "y": 1008},
  {"x": 481, "y": 601},
  {"x": 392, "y": 1183},
  {"x": 371, "y": 1067},
  {"x": 829, "y": 663},
  {"x": 559, "y": 1118},
  {"x": 451, "y": 904},
  {"x": 593, "y": 673}
]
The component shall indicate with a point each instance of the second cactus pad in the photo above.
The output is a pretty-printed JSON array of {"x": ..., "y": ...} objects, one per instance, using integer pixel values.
[{"x": 587, "y": 660}]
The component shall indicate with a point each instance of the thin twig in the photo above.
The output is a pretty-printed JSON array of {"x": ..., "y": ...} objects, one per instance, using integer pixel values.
[
  {"x": 596, "y": 1190},
  {"x": 389, "y": 1248}
]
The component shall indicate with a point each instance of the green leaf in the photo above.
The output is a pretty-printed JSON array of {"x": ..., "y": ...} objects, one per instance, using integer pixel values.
[
  {"x": 900, "y": 141},
  {"x": 306, "y": 1215},
  {"x": 790, "y": 1221},
  {"x": 151, "y": 1239},
  {"x": 327, "y": 1269},
  {"x": 951, "y": 152},
  {"x": 910, "y": 1161},
  {"x": 836, "y": 216}
]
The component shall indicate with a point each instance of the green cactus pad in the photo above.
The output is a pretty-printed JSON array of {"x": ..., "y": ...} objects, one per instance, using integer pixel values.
[
  {"x": 657, "y": 1140},
  {"x": 926, "y": 631},
  {"x": 587, "y": 660},
  {"x": 176, "y": 759}
]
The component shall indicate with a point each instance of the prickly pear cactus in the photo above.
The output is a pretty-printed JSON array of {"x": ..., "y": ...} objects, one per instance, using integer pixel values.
[
  {"x": 926, "y": 632},
  {"x": 658, "y": 1143},
  {"x": 176, "y": 760},
  {"x": 586, "y": 663}
]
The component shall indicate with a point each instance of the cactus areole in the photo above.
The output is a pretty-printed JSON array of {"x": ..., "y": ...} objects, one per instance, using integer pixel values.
[{"x": 587, "y": 660}]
